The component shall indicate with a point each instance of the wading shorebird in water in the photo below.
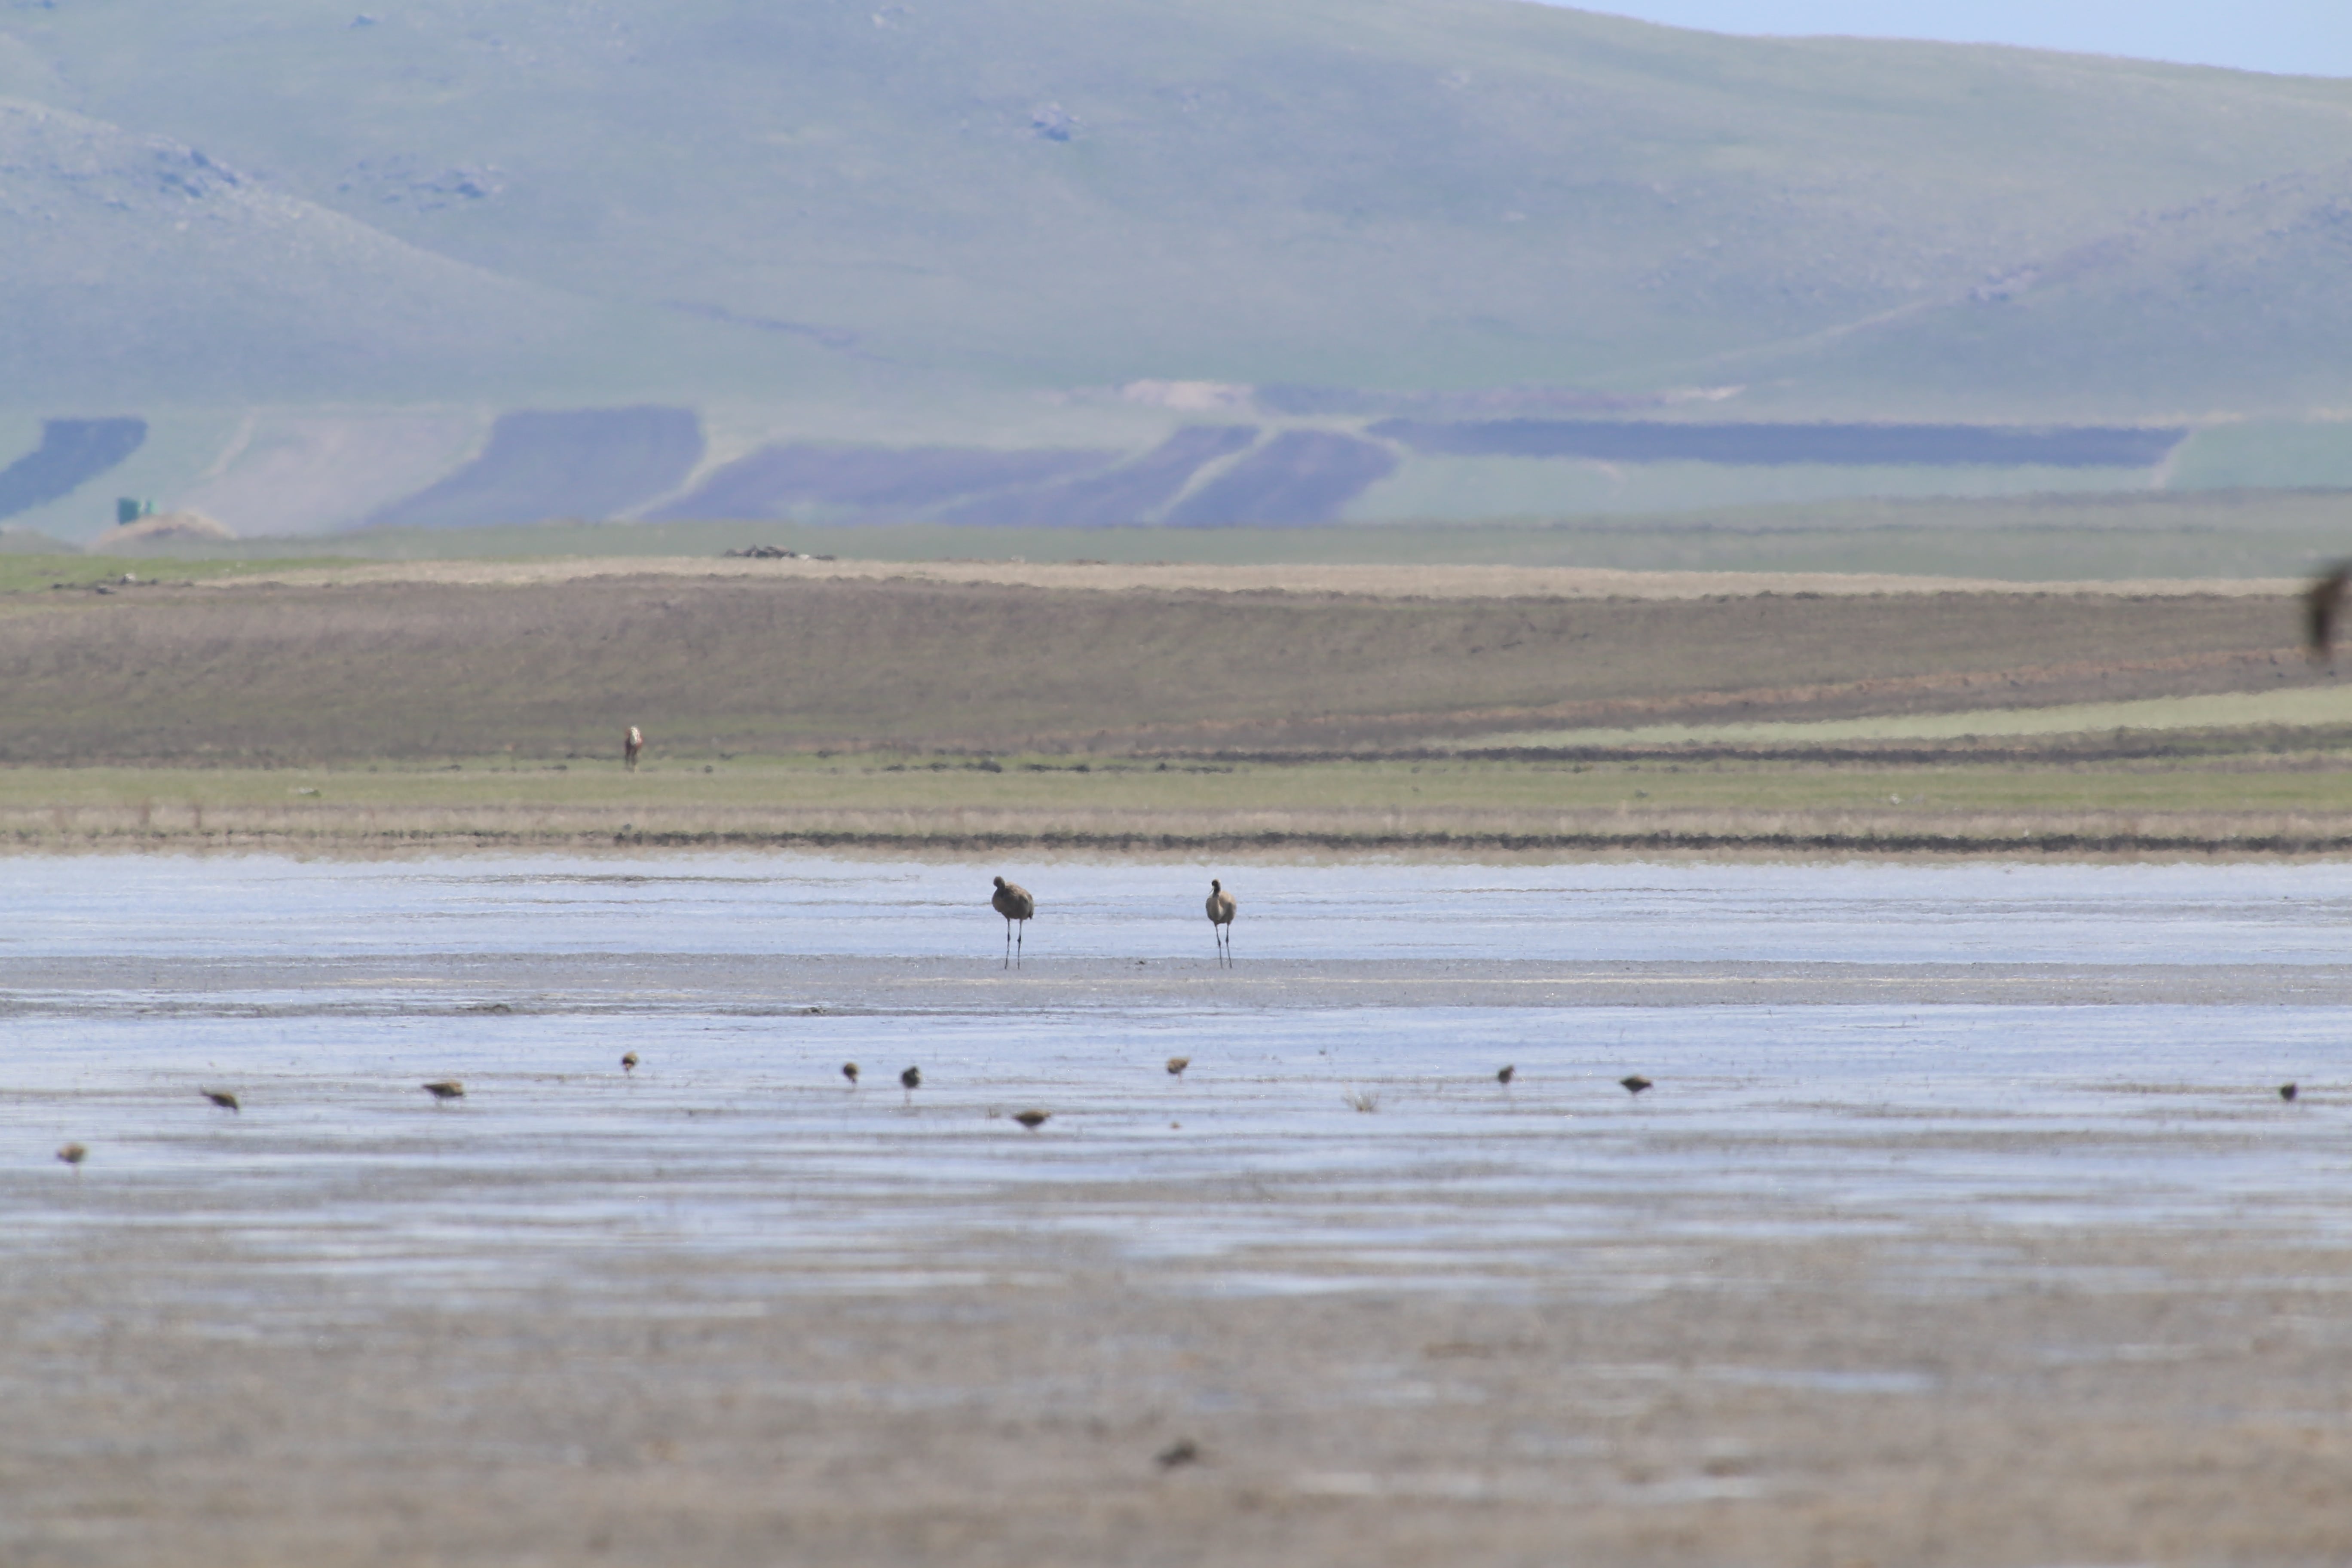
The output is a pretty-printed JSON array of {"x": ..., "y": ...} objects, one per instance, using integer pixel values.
[
  {"x": 2323, "y": 604},
  {"x": 631, "y": 747},
  {"x": 1221, "y": 920},
  {"x": 1012, "y": 901}
]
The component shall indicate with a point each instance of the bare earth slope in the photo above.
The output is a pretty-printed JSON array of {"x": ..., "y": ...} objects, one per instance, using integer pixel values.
[{"x": 731, "y": 664}]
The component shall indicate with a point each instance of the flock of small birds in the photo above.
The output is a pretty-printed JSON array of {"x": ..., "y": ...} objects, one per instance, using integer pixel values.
[{"x": 445, "y": 1089}]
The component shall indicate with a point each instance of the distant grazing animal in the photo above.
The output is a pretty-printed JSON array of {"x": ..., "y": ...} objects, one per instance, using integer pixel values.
[
  {"x": 1012, "y": 901},
  {"x": 850, "y": 1071},
  {"x": 632, "y": 746},
  {"x": 1034, "y": 1119},
  {"x": 1633, "y": 1085},
  {"x": 447, "y": 1089},
  {"x": 2323, "y": 602},
  {"x": 221, "y": 1098},
  {"x": 73, "y": 1155},
  {"x": 628, "y": 1061},
  {"x": 1220, "y": 919},
  {"x": 1176, "y": 1065}
]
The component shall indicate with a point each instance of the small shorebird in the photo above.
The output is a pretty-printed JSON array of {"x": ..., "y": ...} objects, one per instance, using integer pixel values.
[
  {"x": 1506, "y": 1075},
  {"x": 221, "y": 1098},
  {"x": 1183, "y": 1451},
  {"x": 628, "y": 1061},
  {"x": 850, "y": 1071},
  {"x": 1176, "y": 1065},
  {"x": 2287, "y": 1091},
  {"x": 2323, "y": 602},
  {"x": 1221, "y": 920},
  {"x": 1034, "y": 1119},
  {"x": 73, "y": 1155},
  {"x": 1633, "y": 1085},
  {"x": 631, "y": 747},
  {"x": 1012, "y": 901},
  {"x": 445, "y": 1088},
  {"x": 911, "y": 1080}
]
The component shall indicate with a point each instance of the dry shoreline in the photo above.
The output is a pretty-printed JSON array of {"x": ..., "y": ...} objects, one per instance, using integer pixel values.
[
  {"x": 1386, "y": 582},
  {"x": 1270, "y": 843}
]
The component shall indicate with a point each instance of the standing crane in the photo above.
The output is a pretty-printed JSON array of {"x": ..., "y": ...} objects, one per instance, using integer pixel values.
[
  {"x": 1221, "y": 920},
  {"x": 1012, "y": 901}
]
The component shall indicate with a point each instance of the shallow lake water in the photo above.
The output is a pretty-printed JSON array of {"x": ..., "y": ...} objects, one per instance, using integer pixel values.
[{"x": 1341, "y": 1123}]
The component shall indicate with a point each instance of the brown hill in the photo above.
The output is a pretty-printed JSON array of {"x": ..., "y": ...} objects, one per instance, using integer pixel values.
[{"x": 729, "y": 665}]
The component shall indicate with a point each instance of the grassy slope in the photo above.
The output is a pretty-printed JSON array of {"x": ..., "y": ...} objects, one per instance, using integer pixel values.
[
  {"x": 1353, "y": 191},
  {"x": 2022, "y": 538}
]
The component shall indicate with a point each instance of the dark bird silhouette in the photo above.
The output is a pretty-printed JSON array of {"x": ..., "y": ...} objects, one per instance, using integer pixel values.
[
  {"x": 1034, "y": 1119},
  {"x": 1176, "y": 1065},
  {"x": 73, "y": 1155},
  {"x": 2287, "y": 1092},
  {"x": 628, "y": 1061},
  {"x": 911, "y": 1080},
  {"x": 447, "y": 1089},
  {"x": 630, "y": 747},
  {"x": 1506, "y": 1075},
  {"x": 1012, "y": 901},
  {"x": 2322, "y": 603},
  {"x": 1221, "y": 920},
  {"x": 1633, "y": 1085},
  {"x": 1183, "y": 1451},
  {"x": 221, "y": 1098},
  {"x": 850, "y": 1071}
]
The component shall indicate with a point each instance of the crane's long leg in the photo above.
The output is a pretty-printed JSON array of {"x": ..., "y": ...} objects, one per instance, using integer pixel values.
[
  {"x": 1008, "y": 944},
  {"x": 1018, "y": 943}
]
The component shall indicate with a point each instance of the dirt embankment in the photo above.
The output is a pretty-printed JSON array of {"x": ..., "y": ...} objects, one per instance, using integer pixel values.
[{"x": 752, "y": 664}]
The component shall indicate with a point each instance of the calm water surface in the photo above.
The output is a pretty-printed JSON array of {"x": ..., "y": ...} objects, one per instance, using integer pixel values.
[{"x": 324, "y": 993}]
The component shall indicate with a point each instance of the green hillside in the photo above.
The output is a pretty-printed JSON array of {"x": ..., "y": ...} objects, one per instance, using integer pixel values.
[{"x": 515, "y": 200}]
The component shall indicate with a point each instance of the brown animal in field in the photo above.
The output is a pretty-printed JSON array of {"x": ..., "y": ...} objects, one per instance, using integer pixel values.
[
  {"x": 1012, "y": 901},
  {"x": 2321, "y": 603},
  {"x": 632, "y": 746},
  {"x": 1221, "y": 920}
]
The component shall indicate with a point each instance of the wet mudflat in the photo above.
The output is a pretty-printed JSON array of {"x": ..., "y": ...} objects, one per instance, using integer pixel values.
[{"x": 1964, "y": 1222}]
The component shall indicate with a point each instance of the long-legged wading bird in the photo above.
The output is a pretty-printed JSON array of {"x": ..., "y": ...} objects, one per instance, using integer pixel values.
[
  {"x": 1221, "y": 920},
  {"x": 631, "y": 747},
  {"x": 1012, "y": 901},
  {"x": 2323, "y": 602}
]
